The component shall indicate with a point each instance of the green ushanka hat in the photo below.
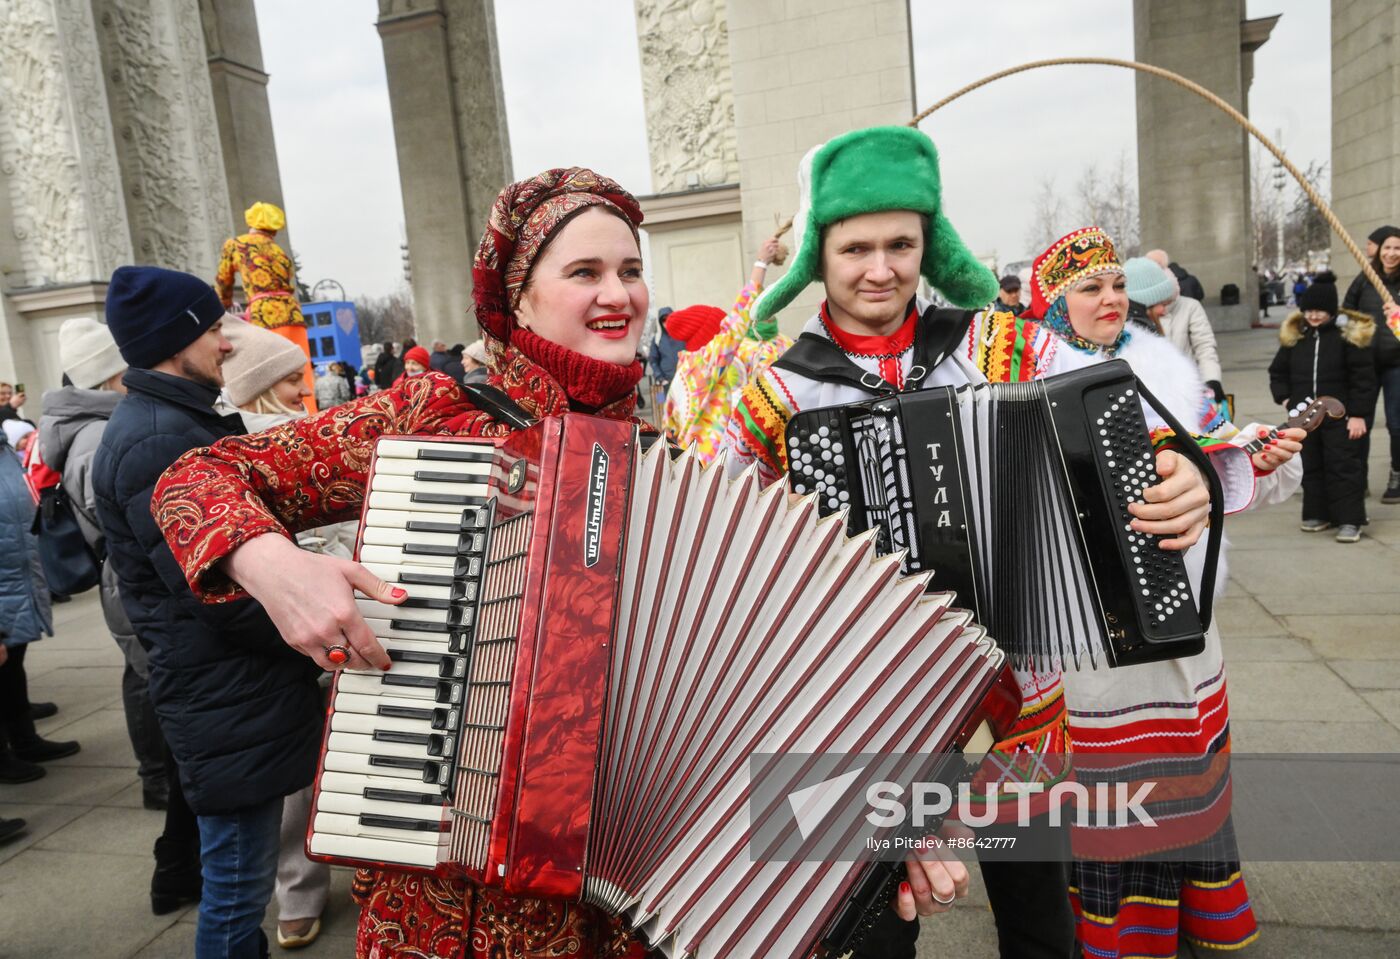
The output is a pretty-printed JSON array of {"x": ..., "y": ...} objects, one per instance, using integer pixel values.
[{"x": 871, "y": 171}]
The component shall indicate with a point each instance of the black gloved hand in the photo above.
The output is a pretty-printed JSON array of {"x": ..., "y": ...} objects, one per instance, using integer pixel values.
[{"x": 1217, "y": 389}]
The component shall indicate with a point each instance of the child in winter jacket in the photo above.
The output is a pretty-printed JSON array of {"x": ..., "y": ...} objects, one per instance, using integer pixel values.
[{"x": 1325, "y": 352}]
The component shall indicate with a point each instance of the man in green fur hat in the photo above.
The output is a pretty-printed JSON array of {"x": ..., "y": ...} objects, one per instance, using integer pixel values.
[{"x": 869, "y": 225}]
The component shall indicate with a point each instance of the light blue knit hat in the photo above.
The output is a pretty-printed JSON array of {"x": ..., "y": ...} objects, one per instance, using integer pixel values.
[{"x": 1148, "y": 283}]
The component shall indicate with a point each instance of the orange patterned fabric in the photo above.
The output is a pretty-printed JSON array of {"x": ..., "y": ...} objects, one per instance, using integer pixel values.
[
  {"x": 266, "y": 273},
  {"x": 297, "y": 334}
]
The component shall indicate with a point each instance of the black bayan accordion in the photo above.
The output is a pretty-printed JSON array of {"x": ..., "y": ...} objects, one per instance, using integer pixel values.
[
  {"x": 1015, "y": 497},
  {"x": 596, "y": 642}
]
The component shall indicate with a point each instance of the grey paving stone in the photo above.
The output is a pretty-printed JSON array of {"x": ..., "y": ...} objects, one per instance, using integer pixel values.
[
  {"x": 128, "y": 798},
  {"x": 1294, "y": 691},
  {"x": 53, "y": 657},
  {"x": 1244, "y": 616},
  {"x": 1290, "y": 736},
  {"x": 1292, "y": 942},
  {"x": 1349, "y": 636},
  {"x": 41, "y": 820},
  {"x": 1365, "y": 567},
  {"x": 109, "y": 830},
  {"x": 103, "y": 736},
  {"x": 74, "y": 702},
  {"x": 1330, "y": 602},
  {"x": 1339, "y": 895},
  {"x": 64, "y": 677},
  {"x": 1368, "y": 673},
  {"x": 1386, "y": 702},
  {"x": 967, "y": 932},
  {"x": 108, "y": 914},
  {"x": 73, "y": 785},
  {"x": 1266, "y": 649},
  {"x": 83, "y": 619}
]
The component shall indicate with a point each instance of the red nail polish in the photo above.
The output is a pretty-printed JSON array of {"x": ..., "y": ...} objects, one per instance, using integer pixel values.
[
  {"x": 398, "y": 592},
  {"x": 904, "y": 889},
  {"x": 386, "y": 668},
  {"x": 1263, "y": 433}
]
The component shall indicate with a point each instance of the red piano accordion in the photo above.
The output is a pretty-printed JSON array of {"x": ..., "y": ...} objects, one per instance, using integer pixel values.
[{"x": 596, "y": 641}]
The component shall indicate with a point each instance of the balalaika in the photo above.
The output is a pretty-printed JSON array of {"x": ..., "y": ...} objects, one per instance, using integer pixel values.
[
  {"x": 596, "y": 642},
  {"x": 1015, "y": 497}
]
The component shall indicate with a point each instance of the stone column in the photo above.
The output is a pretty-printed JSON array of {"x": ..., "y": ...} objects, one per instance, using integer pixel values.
[
  {"x": 63, "y": 219},
  {"x": 1193, "y": 160},
  {"x": 453, "y": 148},
  {"x": 802, "y": 74},
  {"x": 239, "y": 87},
  {"x": 1365, "y": 121},
  {"x": 162, "y": 109},
  {"x": 693, "y": 220}
]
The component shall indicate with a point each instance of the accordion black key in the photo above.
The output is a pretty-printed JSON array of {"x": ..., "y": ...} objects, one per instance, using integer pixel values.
[{"x": 1015, "y": 496}]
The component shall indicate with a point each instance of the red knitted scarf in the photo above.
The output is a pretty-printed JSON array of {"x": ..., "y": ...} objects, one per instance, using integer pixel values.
[{"x": 589, "y": 384}]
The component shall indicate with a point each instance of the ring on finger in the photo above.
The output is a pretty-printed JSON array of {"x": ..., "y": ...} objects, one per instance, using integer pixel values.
[
  {"x": 944, "y": 902},
  {"x": 338, "y": 655}
]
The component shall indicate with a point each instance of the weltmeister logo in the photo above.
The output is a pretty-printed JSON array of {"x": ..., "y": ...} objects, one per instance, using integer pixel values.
[{"x": 597, "y": 488}]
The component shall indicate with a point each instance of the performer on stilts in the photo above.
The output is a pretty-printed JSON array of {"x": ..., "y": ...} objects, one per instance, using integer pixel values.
[{"x": 268, "y": 278}]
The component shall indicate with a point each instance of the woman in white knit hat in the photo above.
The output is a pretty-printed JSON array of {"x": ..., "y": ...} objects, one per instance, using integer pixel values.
[
  {"x": 263, "y": 375},
  {"x": 264, "y": 384}
]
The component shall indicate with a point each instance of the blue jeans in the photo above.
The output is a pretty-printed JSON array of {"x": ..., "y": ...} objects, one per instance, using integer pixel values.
[{"x": 239, "y": 851}]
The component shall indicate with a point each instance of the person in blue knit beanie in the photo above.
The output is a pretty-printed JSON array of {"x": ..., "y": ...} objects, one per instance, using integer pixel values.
[{"x": 241, "y": 712}]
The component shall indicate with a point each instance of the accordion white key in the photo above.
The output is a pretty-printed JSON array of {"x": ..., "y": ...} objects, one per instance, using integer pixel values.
[{"x": 597, "y": 642}]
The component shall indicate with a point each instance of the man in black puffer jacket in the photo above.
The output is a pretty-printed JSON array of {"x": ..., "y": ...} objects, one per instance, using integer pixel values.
[{"x": 241, "y": 710}]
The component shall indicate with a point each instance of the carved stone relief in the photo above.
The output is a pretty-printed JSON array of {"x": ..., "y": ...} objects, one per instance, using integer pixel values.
[
  {"x": 106, "y": 208},
  {"x": 388, "y": 9},
  {"x": 39, "y": 156},
  {"x": 200, "y": 122},
  {"x": 689, "y": 95},
  {"x": 167, "y": 139}
]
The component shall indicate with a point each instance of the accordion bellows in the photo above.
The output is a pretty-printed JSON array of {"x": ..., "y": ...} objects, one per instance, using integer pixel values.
[
  {"x": 770, "y": 632},
  {"x": 644, "y": 627}
]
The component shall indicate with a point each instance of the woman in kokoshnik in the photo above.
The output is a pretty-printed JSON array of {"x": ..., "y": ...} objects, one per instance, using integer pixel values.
[
  {"x": 561, "y": 302},
  {"x": 1170, "y": 717}
]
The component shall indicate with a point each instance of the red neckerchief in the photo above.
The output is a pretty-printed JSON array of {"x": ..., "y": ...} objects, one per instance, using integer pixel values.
[{"x": 886, "y": 349}]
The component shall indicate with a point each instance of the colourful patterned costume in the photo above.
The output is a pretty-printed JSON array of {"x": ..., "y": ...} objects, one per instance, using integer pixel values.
[
  {"x": 266, "y": 273},
  {"x": 1028, "y": 752},
  {"x": 313, "y": 471},
  {"x": 268, "y": 282},
  {"x": 1126, "y": 905},
  {"x": 709, "y": 380}
]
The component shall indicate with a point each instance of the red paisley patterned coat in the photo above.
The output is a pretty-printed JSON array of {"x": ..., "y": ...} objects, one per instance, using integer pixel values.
[{"x": 312, "y": 472}]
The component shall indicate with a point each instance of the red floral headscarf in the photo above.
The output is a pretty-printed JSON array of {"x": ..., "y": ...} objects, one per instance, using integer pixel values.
[{"x": 522, "y": 218}]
